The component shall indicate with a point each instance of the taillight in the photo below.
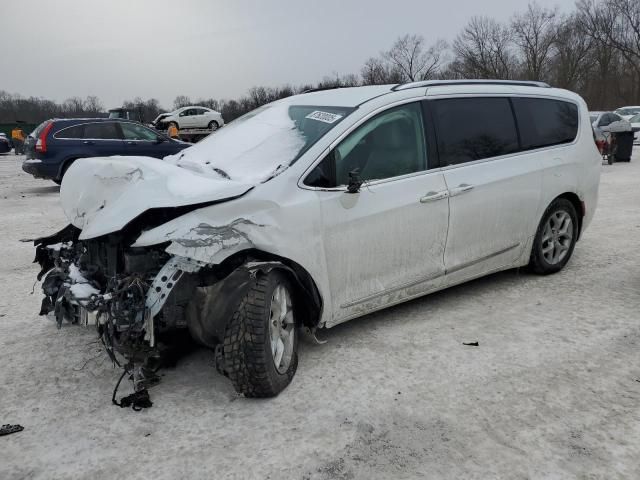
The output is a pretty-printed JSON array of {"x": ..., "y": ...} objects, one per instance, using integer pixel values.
[{"x": 41, "y": 144}]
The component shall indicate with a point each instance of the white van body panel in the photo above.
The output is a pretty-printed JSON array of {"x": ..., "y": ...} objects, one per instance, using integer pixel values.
[{"x": 384, "y": 245}]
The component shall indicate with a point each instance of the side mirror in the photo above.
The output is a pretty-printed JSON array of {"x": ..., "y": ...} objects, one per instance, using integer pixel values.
[{"x": 355, "y": 182}]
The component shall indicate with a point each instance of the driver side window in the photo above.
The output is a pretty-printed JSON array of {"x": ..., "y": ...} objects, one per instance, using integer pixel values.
[{"x": 389, "y": 145}]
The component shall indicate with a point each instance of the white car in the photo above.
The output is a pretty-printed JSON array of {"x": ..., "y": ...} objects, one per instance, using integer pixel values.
[
  {"x": 194, "y": 117},
  {"x": 635, "y": 124},
  {"x": 628, "y": 112},
  {"x": 317, "y": 209}
]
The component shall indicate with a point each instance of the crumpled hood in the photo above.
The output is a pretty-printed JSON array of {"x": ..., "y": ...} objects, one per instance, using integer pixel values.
[{"x": 101, "y": 195}]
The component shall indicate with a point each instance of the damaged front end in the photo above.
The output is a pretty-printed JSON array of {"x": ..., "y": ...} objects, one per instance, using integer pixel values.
[
  {"x": 139, "y": 298},
  {"x": 119, "y": 289}
]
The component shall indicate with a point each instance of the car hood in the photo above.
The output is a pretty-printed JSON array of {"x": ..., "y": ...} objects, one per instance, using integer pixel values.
[{"x": 102, "y": 195}]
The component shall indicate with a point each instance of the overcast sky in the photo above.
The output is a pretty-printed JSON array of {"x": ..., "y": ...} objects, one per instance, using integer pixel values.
[{"x": 120, "y": 49}]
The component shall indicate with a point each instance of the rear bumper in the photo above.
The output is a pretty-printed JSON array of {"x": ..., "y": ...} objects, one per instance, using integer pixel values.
[{"x": 40, "y": 169}]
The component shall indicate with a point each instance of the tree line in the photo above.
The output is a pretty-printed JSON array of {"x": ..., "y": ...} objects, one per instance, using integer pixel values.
[{"x": 593, "y": 50}]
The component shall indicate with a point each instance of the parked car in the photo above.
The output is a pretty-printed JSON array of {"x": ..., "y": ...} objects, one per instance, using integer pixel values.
[
  {"x": 627, "y": 112},
  {"x": 158, "y": 123},
  {"x": 5, "y": 143},
  {"x": 194, "y": 117},
  {"x": 55, "y": 144},
  {"x": 635, "y": 125},
  {"x": 317, "y": 209},
  {"x": 602, "y": 138}
]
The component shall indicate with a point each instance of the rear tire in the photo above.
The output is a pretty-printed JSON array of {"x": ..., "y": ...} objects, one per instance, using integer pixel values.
[
  {"x": 261, "y": 341},
  {"x": 65, "y": 167},
  {"x": 555, "y": 238},
  {"x": 213, "y": 126}
]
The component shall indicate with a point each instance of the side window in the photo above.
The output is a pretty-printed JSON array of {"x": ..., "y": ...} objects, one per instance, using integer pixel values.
[
  {"x": 474, "y": 128},
  {"x": 388, "y": 145},
  {"x": 71, "y": 132},
  {"x": 101, "y": 131},
  {"x": 131, "y": 131},
  {"x": 543, "y": 122},
  {"x": 605, "y": 120}
]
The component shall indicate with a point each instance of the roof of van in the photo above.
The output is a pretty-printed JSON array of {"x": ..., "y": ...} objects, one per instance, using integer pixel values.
[{"x": 354, "y": 96}]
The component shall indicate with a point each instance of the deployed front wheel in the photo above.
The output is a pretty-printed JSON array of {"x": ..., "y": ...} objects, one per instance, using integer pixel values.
[
  {"x": 555, "y": 239},
  {"x": 261, "y": 342}
]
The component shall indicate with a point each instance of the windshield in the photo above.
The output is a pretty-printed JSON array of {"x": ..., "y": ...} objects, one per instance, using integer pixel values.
[
  {"x": 262, "y": 143},
  {"x": 635, "y": 119},
  {"x": 628, "y": 111}
]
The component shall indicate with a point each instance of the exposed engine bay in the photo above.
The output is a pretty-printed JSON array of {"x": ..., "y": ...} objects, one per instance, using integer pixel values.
[{"x": 138, "y": 298}]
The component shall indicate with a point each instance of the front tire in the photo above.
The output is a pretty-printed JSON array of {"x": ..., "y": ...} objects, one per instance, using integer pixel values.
[
  {"x": 555, "y": 238},
  {"x": 213, "y": 126},
  {"x": 261, "y": 341}
]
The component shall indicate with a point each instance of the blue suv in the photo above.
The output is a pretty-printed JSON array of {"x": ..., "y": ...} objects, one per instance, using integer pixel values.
[{"x": 55, "y": 144}]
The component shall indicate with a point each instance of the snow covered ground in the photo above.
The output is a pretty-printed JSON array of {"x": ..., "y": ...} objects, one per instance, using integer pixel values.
[{"x": 553, "y": 390}]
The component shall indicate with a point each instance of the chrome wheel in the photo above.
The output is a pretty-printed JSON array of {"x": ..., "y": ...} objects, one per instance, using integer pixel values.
[
  {"x": 557, "y": 237},
  {"x": 281, "y": 328}
]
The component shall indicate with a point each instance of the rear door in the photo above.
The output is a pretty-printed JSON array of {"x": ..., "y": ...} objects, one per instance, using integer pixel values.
[
  {"x": 494, "y": 190},
  {"x": 104, "y": 139}
]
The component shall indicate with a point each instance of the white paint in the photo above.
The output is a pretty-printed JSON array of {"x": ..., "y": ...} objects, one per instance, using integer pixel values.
[
  {"x": 102, "y": 195},
  {"x": 366, "y": 250}
]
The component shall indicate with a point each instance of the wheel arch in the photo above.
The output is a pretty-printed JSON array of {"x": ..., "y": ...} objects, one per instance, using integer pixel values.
[
  {"x": 577, "y": 204},
  {"x": 65, "y": 164},
  {"x": 307, "y": 293}
]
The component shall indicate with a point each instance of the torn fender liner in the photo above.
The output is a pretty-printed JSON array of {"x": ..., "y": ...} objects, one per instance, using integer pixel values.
[
  {"x": 102, "y": 195},
  {"x": 212, "y": 307}
]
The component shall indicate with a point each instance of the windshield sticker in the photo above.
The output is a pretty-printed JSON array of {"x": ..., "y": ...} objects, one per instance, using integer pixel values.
[{"x": 325, "y": 117}]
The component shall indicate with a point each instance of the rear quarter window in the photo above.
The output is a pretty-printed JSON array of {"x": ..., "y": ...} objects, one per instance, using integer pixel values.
[
  {"x": 73, "y": 132},
  {"x": 545, "y": 122}
]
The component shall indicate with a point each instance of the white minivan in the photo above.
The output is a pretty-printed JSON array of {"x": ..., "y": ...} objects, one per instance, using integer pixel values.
[{"x": 317, "y": 209}]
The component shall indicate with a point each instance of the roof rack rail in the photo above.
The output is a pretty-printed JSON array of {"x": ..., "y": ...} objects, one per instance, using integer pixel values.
[
  {"x": 321, "y": 89},
  {"x": 441, "y": 83}
]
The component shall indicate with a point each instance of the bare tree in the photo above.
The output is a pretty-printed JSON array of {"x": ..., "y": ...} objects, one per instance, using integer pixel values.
[
  {"x": 570, "y": 66},
  {"x": 377, "y": 71},
  {"x": 615, "y": 24},
  {"x": 93, "y": 105},
  {"x": 410, "y": 56},
  {"x": 534, "y": 34},
  {"x": 181, "y": 101},
  {"x": 484, "y": 50}
]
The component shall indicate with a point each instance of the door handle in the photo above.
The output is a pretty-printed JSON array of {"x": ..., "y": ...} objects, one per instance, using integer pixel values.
[
  {"x": 88, "y": 142},
  {"x": 131, "y": 143},
  {"x": 462, "y": 188},
  {"x": 434, "y": 196}
]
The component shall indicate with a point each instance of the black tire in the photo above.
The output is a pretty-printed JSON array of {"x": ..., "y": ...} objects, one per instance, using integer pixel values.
[
  {"x": 213, "y": 125},
  {"x": 538, "y": 263},
  {"x": 248, "y": 358},
  {"x": 65, "y": 167}
]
